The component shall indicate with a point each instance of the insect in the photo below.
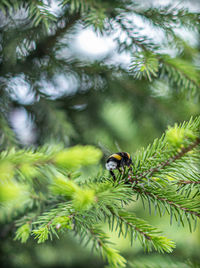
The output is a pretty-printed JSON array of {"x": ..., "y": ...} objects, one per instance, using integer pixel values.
[{"x": 118, "y": 161}]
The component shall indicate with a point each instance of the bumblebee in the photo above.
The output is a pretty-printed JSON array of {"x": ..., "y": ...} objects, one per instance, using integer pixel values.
[{"x": 118, "y": 161}]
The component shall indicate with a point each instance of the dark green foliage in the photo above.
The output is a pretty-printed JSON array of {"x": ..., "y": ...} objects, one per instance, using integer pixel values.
[{"x": 48, "y": 190}]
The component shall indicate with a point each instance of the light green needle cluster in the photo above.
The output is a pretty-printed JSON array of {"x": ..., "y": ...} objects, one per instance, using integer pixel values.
[
  {"x": 81, "y": 198},
  {"x": 177, "y": 136},
  {"x": 113, "y": 257},
  {"x": 78, "y": 156},
  {"x": 41, "y": 234},
  {"x": 11, "y": 191},
  {"x": 23, "y": 232}
]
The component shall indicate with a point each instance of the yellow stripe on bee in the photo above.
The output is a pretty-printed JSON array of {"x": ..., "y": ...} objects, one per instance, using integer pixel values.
[
  {"x": 118, "y": 157},
  {"x": 128, "y": 155}
]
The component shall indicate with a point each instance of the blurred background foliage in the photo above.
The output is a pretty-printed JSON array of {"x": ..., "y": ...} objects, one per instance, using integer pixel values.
[{"x": 69, "y": 72}]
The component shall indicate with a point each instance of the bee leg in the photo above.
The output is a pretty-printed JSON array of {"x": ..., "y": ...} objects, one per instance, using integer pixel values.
[
  {"x": 122, "y": 168},
  {"x": 121, "y": 171},
  {"x": 130, "y": 171},
  {"x": 113, "y": 175}
]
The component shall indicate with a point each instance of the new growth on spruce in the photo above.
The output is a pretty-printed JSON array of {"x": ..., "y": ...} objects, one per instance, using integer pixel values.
[{"x": 44, "y": 192}]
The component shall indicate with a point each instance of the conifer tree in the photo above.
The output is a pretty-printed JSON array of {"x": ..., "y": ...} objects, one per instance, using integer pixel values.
[{"x": 45, "y": 190}]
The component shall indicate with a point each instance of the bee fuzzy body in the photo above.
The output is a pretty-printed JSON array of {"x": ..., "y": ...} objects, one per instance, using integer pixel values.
[{"x": 118, "y": 161}]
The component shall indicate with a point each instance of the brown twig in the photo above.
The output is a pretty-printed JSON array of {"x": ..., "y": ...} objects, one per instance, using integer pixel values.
[{"x": 188, "y": 182}]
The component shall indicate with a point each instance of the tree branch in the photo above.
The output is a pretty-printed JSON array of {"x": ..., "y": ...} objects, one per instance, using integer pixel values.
[
  {"x": 155, "y": 195},
  {"x": 43, "y": 48},
  {"x": 163, "y": 164}
]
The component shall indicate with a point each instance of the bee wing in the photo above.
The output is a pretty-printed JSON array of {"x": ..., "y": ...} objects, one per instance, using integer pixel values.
[
  {"x": 104, "y": 149},
  {"x": 118, "y": 147}
]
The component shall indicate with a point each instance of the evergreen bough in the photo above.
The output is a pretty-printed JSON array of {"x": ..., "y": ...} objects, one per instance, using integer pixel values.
[
  {"x": 41, "y": 188},
  {"x": 44, "y": 194}
]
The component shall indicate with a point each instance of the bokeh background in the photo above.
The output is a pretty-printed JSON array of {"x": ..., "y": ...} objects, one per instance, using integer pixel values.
[{"x": 79, "y": 90}]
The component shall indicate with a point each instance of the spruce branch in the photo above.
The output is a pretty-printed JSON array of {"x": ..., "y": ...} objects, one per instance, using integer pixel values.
[
  {"x": 77, "y": 6},
  {"x": 170, "y": 151},
  {"x": 53, "y": 221},
  {"x": 38, "y": 12},
  {"x": 44, "y": 185},
  {"x": 168, "y": 162},
  {"x": 144, "y": 64},
  {"x": 170, "y": 17},
  {"x": 46, "y": 45},
  {"x": 103, "y": 207},
  {"x": 107, "y": 206},
  {"x": 180, "y": 72},
  {"x": 171, "y": 198},
  {"x": 154, "y": 180},
  {"x": 30, "y": 161},
  {"x": 64, "y": 217},
  {"x": 188, "y": 183},
  {"x": 128, "y": 223},
  {"x": 134, "y": 38},
  {"x": 101, "y": 243},
  {"x": 23, "y": 232}
]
